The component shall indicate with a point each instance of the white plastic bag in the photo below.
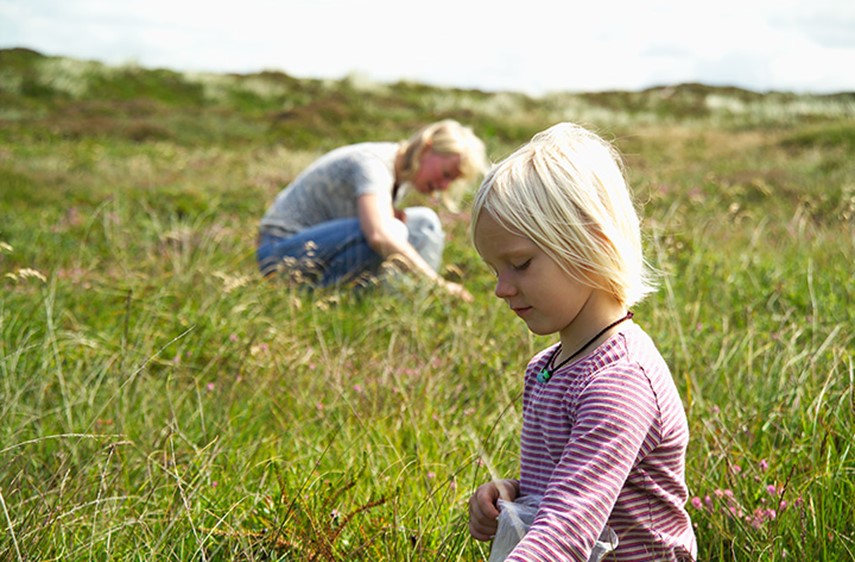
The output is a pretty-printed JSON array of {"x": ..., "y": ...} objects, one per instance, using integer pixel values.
[{"x": 516, "y": 517}]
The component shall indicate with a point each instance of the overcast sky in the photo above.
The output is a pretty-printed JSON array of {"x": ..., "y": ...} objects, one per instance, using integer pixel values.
[{"x": 531, "y": 46}]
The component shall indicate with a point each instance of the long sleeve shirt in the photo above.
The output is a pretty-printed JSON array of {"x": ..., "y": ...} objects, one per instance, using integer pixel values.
[{"x": 604, "y": 442}]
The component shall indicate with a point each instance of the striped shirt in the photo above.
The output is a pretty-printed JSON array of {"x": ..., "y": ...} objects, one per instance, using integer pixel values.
[{"x": 604, "y": 441}]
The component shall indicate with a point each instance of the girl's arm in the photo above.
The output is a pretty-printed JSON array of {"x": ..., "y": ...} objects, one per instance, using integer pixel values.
[
  {"x": 375, "y": 216},
  {"x": 616, "y": 421},
  {"x": 483, "y": 511}
]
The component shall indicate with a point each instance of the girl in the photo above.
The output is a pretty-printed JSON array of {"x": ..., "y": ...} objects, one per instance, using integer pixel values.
[
  {"x": 337, "y": 221},
  {"x": 604, "y": 433}
]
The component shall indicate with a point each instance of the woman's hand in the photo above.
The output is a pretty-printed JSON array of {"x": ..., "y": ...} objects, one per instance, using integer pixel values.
[
  {"x": 456, "y": 290},
  {"x": 483, "y": 508}
]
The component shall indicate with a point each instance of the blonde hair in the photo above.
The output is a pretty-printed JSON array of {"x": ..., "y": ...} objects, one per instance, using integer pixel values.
[
  {"x": 446, "y": 137},
  {"x": 565, "y": 190}
]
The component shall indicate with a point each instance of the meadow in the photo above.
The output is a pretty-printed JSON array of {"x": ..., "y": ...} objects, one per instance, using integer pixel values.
[{"x": 160, "y": 401}]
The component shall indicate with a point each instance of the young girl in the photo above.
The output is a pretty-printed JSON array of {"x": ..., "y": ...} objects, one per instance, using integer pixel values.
[{"x": 604, "y": 433}]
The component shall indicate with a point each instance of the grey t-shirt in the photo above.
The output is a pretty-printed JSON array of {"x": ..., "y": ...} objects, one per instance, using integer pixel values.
[{"x": 329, "y": 187}]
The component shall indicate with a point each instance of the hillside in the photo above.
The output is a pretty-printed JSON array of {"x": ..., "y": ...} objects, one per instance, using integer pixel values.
[{"x": 52, "y": 96}]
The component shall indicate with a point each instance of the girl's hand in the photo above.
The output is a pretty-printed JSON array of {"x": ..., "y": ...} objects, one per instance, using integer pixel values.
[{"x": 483, "y": 509}]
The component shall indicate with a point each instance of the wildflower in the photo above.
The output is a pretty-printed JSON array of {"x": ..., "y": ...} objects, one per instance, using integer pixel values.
[
  {"x": 358, "y": 388},
  {"x": 210, "y": 387},
  {"x": 771, "y": 490},
  {"x": 431, "y": 475},
  {"x": 764, "y": 465},
  {"x": 736, "y": 469},
  {"x": 233, "y": 338},
  {"x": 257, "y": 349},
  {"x": 696, "y": 503}
]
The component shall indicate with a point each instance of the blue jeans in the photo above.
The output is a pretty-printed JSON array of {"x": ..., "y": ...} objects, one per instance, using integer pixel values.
[{"x": 336, "y": 251}]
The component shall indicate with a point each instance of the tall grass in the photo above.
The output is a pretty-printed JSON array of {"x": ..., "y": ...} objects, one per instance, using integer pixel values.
[{"x": 159, "y": 401}]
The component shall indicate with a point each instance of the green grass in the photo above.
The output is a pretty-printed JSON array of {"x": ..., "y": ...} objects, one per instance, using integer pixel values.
[{"x": 159, "y": 401}]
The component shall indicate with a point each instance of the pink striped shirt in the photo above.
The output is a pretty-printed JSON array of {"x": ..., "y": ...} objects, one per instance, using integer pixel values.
[{"x": 604, "y": 441}]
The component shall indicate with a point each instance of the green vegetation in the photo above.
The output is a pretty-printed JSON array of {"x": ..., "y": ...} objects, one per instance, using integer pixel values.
[{"x": 158, "y": 401}]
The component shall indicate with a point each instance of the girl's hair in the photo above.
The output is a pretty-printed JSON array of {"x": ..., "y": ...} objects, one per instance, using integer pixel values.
[
  {"x": 565, "y": 190},
  {"x": 447, "y": 137}
]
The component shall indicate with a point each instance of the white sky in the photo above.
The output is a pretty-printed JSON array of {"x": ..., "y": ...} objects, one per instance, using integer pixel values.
[{"x": 531, "y": 46}]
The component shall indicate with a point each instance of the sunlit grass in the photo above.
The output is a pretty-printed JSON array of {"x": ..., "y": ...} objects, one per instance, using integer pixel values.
[{"x": 158, "y": 400}]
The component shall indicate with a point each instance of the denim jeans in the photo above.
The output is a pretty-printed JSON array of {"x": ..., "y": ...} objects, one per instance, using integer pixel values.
[{"x": 336, "y": 251}]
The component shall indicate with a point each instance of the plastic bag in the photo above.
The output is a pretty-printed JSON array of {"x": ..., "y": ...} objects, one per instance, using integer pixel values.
[{"x": 516, "y": 517}]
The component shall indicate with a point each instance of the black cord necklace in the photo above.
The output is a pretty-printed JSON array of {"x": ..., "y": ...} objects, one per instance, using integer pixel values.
[{"x": 546, "y": 373}]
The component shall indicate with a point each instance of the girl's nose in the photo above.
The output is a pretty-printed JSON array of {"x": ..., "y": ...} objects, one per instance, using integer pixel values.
[{"x": 504, "y": 289}]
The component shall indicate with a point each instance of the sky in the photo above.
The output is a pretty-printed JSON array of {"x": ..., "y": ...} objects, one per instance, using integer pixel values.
[{"x": 529, "y": 46}]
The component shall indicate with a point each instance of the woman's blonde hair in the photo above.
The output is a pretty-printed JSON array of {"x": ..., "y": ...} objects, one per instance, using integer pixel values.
[
  {"x": 446, "y": 137},
  {"x": 565, "y": 190}
]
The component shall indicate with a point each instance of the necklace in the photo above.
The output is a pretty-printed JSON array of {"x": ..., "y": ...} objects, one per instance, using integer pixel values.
[{"x": 546, "y": 373}]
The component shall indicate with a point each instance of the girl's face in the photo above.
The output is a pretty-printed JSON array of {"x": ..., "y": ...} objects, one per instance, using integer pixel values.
[
  {"x": 436, "y": 171},
  {"x": 541, "y": 293}
]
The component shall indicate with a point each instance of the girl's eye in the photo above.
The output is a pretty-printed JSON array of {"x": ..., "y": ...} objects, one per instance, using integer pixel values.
[{"x": 524, "y": 265}]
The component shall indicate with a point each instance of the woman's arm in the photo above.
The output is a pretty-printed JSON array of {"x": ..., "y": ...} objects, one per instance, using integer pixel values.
[{"x": 375, "y": 219}]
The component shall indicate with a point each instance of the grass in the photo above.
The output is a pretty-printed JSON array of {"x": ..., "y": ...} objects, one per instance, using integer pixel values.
[{"x": 160, "y": 401}]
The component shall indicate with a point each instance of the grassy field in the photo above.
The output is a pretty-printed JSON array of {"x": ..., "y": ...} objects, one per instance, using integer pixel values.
[{"x": 159, "y": 401}]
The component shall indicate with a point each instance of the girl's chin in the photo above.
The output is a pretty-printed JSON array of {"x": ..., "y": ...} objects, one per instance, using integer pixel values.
[{"x": 534, "y": 328}]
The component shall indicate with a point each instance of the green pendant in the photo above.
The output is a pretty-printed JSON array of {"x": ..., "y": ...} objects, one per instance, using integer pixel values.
[{"x": 544, "y": 375}]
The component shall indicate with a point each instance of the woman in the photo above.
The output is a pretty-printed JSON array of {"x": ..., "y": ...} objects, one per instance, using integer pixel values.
[{"x": 337, "y": 220}]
